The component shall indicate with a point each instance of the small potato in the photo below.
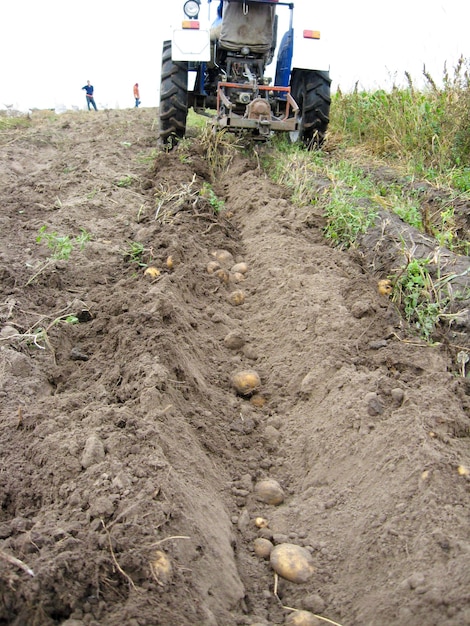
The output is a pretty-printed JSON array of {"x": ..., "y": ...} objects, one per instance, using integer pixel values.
[
  {"x": 212, "y": 267},
  {"x": 384, "y": 287},
  {"x": 246, "y": 382},
  {"x": 262, "y": 547},
  {"x": 224, "y": 257},
  {"x": 161, "y": 567},
  {"x": 261, "y": 522},
  {"x": 236, "y": 298},
  {"x": 302, "y": 618},
  {"x": 170, "y": 262},
  {"x": 292, "y": 562},
  {"x": 269, "y": 491},
  {"x": 241, "y": 268},
  {"x": 223, "y": 276},
  {"x": 152, "y": 272},
  {"x": 237, "y": 277}
]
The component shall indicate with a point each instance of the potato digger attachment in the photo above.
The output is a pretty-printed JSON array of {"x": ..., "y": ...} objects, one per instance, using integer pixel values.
[{"x": 222, "y": 68}]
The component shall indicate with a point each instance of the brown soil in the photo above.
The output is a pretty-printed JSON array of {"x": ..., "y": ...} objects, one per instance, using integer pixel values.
[{"x": 122, "y": 436}]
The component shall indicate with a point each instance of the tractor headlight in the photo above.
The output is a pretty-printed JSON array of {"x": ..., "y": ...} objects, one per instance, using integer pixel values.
[{"x": 191, "y": 8}]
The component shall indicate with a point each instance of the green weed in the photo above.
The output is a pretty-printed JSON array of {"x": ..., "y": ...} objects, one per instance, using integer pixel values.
[
  {"x": 426, "y": 129},
  {"x": 209, "y": 194},
  {"x": 61, "y": 247},
  {"x": 125, "y": 182},
  {"x": 137, "y": 254},
  {"x": 9, "y": 123},
  {"x": 424, "y": 301}
]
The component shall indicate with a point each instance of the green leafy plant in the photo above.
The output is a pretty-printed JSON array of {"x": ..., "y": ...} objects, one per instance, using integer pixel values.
[
  {"x": 420, "y": 298},
  {"x": 351, "y": 208},
  {"x": 136, "y": 254},
  {"x": 92, "y": 194},
  {"x": 345, "y": 222},
  {"x": 148, "y": 157},
  {"x": 125, "y": 182},
  {"x": 209, "y": 194},
  {"x": 61, "y": 247},
  {"x": 9, "y": 123}
]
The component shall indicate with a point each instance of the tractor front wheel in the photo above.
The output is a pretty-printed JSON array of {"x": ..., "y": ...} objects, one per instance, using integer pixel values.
[
  {"x": 311, "y": 90},
  {"x": 173, "y": 111}
]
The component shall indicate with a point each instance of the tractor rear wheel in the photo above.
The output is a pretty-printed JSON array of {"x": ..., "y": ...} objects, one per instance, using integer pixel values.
[
  {"x": 173, "y": 111},
  {"x": 311, "y": 90}
]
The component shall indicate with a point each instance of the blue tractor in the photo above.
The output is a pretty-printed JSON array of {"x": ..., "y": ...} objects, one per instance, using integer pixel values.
[{"x": 218, "y": 68}]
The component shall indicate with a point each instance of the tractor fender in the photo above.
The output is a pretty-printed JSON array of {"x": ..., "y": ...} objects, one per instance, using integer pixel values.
[{"x": 309, "y": 54}]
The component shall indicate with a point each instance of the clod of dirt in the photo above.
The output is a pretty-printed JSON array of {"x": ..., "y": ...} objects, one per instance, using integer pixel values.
[
  {"x": 234, "y": 340},
  {"x": 93, "y": 452}
]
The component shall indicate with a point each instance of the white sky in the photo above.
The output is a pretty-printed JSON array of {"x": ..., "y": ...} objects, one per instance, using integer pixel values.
[{"x": 50, "y": 48}]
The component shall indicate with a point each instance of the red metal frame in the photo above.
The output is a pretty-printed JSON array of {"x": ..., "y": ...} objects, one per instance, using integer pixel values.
[{"x": 248, "y": 87}]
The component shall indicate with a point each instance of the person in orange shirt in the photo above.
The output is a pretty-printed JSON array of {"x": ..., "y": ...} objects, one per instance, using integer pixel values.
[{"x": 136, "y": 95}]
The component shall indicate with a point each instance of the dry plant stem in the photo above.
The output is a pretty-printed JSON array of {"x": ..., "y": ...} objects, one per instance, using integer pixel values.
[
  {"x": 323, "y": 619},
  {"x": 289, "y": 608},
  {"x": 40, "y": 270},
  {"x": 14, "y": 561},
  {"x": 157, "y": 543},
  {"x": 118, "y": 567}
]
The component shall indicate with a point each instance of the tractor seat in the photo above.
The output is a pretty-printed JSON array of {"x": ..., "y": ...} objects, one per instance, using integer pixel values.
[{"x": 252, "y": 28}]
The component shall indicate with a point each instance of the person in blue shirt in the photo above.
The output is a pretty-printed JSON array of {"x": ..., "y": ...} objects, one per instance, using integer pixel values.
[{"x": 89, "y": 96}]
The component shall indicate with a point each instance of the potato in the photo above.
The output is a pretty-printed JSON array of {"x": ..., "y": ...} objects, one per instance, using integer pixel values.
[
  {"x": 237, "y": 277},
  {"x": 384, "y": 287},
  {"x": 236, "y": 298},
  {"x": 223, "y": 276},
  {"x": 292, "y": 562},
  {"x": 262, "y": 547},
  {"x": 152, "y": 272},
  {"x": 261, "y": 522},
  {"x": 170, "y": 262},
  {"x": 302, "y": 618},
  {"x": 269, "y": 491},
  {"x": 212, "y": 267},
  {"x": 240, "y": 268},
  {"x": 161, "y": 567},
  {"x": 246, "y": 382},
  {"x": 224, "y": 257}
]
